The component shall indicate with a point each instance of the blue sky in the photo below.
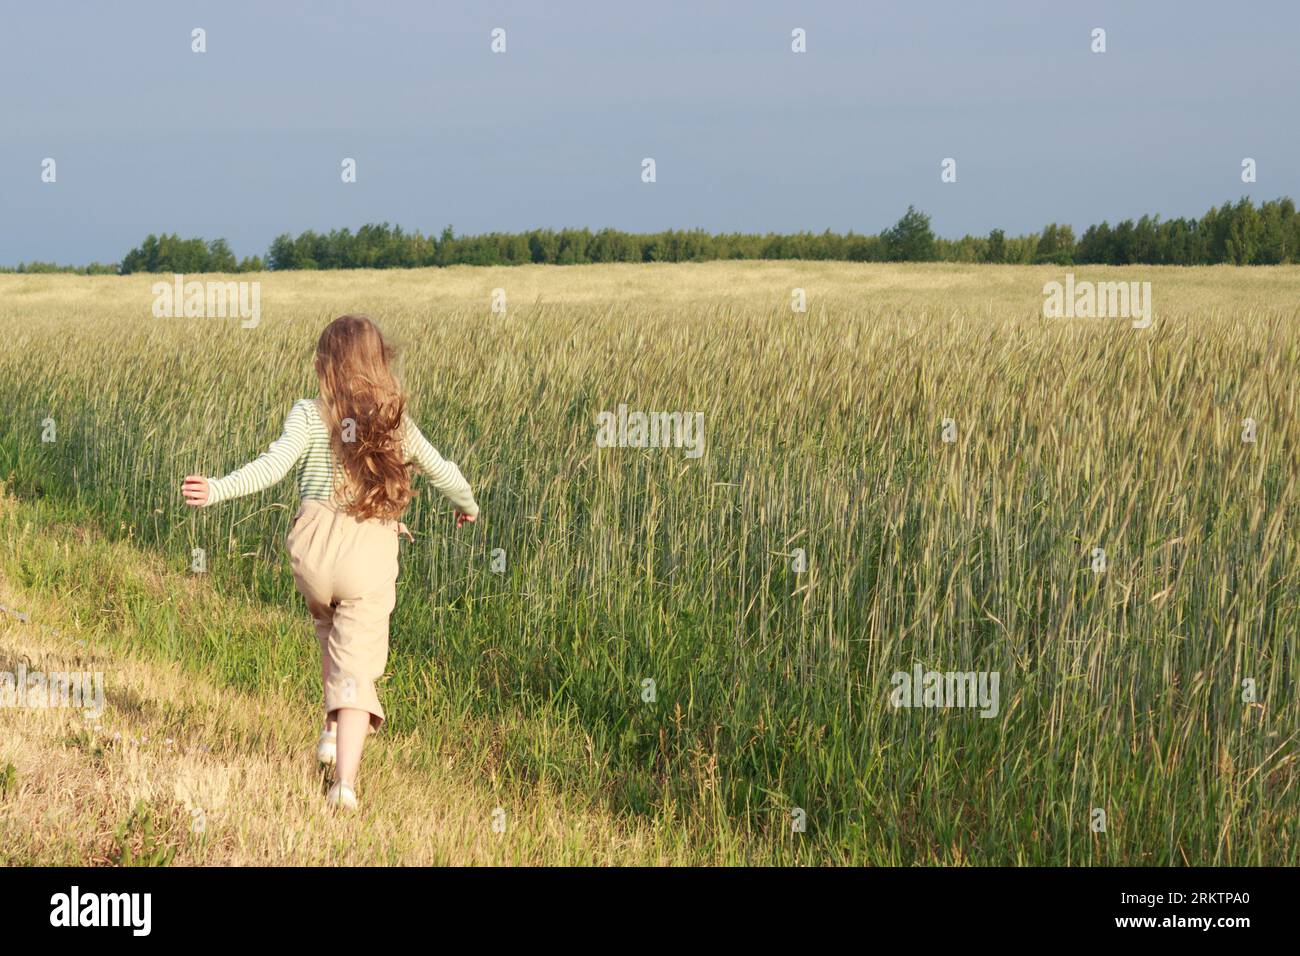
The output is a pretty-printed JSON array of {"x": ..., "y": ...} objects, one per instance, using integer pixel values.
[{"x": 245, "y": 141}]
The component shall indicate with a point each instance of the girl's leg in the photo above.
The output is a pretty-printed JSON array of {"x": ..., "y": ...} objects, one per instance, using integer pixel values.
[
  {"x": 366, "y": 576},
  {"x": 353, "y": 725},
  {"x": 322, "y": 613},
  {"x": 306, "y": 544}
]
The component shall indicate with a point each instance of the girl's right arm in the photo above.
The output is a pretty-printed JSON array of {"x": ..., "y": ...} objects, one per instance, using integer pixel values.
[{"x": 268, "y": 468}]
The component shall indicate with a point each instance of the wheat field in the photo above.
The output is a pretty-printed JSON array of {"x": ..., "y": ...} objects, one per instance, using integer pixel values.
[{"x": 918, "y": 470}]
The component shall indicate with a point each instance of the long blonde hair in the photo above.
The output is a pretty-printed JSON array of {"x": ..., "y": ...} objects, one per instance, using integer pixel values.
[{"x": 361, "y": 396}]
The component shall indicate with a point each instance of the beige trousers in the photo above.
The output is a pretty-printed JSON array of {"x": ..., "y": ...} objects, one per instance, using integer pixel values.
[{"x": 347, "y": 571}]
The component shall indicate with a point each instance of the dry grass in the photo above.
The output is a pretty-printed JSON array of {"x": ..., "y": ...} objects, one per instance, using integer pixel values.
[{"x": 184, "y": 771}]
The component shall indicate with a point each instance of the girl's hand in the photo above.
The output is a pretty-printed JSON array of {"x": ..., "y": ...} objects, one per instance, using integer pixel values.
[
  {"x": 461, "y": 518},
  {"x": 195, "y": 490}
]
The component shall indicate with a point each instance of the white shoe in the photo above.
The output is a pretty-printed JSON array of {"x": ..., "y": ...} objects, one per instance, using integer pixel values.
[
  {"x": 341, "y": 797},
  {"x": 327, "y": 751}
]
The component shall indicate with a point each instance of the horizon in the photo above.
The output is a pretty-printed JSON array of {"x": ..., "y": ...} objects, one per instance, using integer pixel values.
[{"x": 241, "y": 255}]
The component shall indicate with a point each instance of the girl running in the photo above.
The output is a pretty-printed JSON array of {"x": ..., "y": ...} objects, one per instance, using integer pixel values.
[{"x": 351, "y": 448}]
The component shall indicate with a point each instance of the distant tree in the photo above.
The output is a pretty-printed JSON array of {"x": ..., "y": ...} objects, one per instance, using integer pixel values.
[
  {"x": 219, "y": 258},
  {"x": 142, "y": 257},
  {"x": 1215, "y": 225},
  {"x": 863, "y": 248},
  {"x": 171, "y": 253},
  {"x": 910, "y": 239},
  {"x": 1055, "y": 245},
  {"x": 1092, "y": 246},
  {"x": 1122, "y": 243},
  {"x": 1272, "y": 248},
  {"x": 1291, "y": 225},
  {"x": 1244, "y": 233},
  {"x": 309, "y": 249},
  {"x": 282, "y": 255},
  {"x": 996, "y": 250}
]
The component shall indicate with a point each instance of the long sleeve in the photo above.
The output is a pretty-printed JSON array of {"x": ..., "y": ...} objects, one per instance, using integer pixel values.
[
  {"x": 270, "y": 466},
  {"x": 444, "y": 475}
]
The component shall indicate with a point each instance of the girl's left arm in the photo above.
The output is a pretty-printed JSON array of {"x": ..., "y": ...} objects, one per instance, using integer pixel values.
[
  {"x": 446, "y": 477},
  {"x": 270, "y": 466}
]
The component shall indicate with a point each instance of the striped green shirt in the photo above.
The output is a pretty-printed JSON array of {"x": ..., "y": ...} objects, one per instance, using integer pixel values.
[{"x": 305, "y": 443}]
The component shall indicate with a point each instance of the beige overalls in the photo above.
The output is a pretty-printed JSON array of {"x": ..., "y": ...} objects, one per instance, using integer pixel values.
[{"x": 347, "y": 571}]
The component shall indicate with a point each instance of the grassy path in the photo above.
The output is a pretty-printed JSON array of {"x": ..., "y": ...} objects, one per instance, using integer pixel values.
[{"x": 182, "y": 769}]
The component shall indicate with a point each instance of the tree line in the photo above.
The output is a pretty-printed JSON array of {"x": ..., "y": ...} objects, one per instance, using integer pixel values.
[{"x": 1238, "y": 233}]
